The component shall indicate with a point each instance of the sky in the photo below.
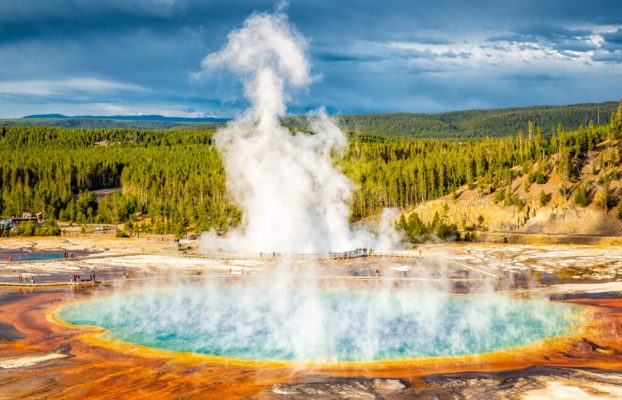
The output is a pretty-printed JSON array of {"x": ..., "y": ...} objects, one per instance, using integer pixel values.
[{"x": 128, "y": 57}]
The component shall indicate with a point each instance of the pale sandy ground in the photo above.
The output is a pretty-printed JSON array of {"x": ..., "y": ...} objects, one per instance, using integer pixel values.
[
  {"x": 103, "y": 245},
  {"x": 585, "y": 288},
  {"x": 155, "y": 251},
  {"x": 27, "y": 361},
  {"x": 571, "y": 389},
  {"x": 596, "y": 263},
  {"x": 138, "y": 263},
  {"x": 599, "y": 268}
]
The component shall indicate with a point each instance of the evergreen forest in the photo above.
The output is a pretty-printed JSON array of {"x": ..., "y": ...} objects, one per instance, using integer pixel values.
[{"x": 172, "y": 181}]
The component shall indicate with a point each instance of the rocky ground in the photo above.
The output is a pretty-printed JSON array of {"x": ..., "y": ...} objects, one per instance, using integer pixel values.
[{"x": 532, "y": 383}]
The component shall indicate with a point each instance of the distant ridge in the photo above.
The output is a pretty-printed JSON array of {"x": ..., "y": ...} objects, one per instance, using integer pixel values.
[
  {"x": 471, "y": 123},
  {"x": 129, "y": 118},
  {"x": 448, "y": 125}
]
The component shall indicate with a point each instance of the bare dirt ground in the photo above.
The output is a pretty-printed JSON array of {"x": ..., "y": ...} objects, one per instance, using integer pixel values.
[{"x": 104, "y": 243}]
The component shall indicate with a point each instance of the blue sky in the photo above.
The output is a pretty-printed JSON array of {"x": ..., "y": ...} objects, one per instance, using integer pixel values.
[{"x": 129, "y": 57}]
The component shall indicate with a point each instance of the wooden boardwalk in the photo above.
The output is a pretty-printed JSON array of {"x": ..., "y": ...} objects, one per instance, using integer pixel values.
[
  {"x": 359, "y": 253},
  {"x": 227, "y": 276},
  {"x": 236, "y": 256}
]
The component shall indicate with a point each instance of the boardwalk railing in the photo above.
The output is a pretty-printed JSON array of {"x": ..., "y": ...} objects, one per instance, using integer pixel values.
[
  {"x": 218, "y": 255},
  {"x": 357, "y": 253}
]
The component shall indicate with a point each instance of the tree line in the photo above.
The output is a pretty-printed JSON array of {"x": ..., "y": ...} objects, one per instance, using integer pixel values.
[{"x": 173, "y": 181}]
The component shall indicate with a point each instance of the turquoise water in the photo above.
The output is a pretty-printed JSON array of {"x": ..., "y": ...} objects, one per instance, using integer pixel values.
[
  {"x": 300, "y": 323},
  {"x": 33, "y": 255}
]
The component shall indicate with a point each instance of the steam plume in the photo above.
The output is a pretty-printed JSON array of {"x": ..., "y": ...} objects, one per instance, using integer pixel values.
[{"x": 292, "y": 196}]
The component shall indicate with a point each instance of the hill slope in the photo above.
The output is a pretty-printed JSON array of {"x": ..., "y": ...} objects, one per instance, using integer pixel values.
[
  {"x": 89, "y": 123},
  {"x": 549, "y": 207},
  {"x": 477, "y": 123},
  {"x": 456, "y": 124}
]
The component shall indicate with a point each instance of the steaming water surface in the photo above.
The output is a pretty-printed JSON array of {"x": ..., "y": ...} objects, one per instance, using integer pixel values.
[{"x": 302, "y": 323}]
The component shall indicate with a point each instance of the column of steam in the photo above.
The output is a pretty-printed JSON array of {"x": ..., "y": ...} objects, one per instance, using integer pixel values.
[{"x": 292, "y": 197}]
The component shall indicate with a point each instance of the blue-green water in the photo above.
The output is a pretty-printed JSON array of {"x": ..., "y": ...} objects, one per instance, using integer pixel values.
[
  {"x": 311, "y": 324},
  {"x": 32, "y": 255},
  {"x": 39, "y": 255}
]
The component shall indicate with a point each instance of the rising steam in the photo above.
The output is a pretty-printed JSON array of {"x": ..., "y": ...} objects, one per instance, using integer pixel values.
[
  {"x": 298, "y": 321},
  {"x": 292, "y": 197}
]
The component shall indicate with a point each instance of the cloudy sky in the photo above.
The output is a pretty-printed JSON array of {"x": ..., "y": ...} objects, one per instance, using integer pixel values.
[{"x": 110, "y": 57}]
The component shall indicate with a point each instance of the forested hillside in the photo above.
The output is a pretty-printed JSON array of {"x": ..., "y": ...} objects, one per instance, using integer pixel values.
[
  {"x": 401, "y": 173},
  {"x": 173, "y": 180},
  {"x": 471, "y": 123},
  {"x": 457, "y": 124}
]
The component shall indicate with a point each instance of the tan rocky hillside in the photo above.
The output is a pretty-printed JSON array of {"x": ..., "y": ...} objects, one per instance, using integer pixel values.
[{"x": 478, "y": 209}]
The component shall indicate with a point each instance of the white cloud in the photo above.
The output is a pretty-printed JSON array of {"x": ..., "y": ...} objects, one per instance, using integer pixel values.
[
  {"x": 480, "y": 53},
  {"x": 164, "y": 110},
  {"x": 66, "y": 87},
  {"x": 506, "y": 51}
]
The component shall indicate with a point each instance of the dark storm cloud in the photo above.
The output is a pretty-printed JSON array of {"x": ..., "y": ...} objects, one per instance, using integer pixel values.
[
  {"x": 340, "y": 57},
  {"x": 568, "y": 42},
  {"x": 67, "y": 19},
  {"x": 558, "y": 37},
  {"x": 395, "y": 55},
  {"x": 614, "y": 57},
  {"x": 613, "y": 40},
  {"x": 614, "y": 37},
  {"x": 534, "y": 78},
  {"x": 611, "y": 49},
  {"x": 54, "y": 19},
  {"x": 421, "y": 21},
  {"x": 552, "y": 32}
]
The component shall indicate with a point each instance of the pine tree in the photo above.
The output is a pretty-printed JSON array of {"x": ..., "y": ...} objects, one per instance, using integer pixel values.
[
  {"x": 607, "y": 200},
  {"x": 580, "y": 196},
  {"x": 544, "y": 198}
]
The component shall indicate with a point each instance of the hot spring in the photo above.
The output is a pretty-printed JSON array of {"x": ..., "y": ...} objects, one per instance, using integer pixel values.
[{"x": 301, "y": 322}]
